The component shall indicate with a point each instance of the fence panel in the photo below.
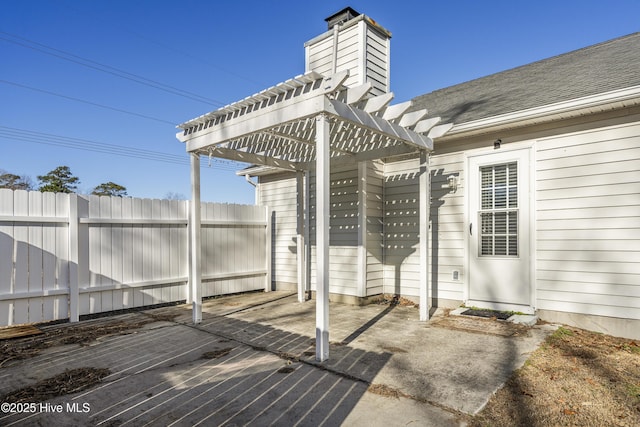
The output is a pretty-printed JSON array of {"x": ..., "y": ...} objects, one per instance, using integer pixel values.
[
  {"x": 6, "y": 257},
  {"x": 127, "y": 253},
  {"x": 233, "y": 248},
  {"x": 60, "y": 305},
  {"x": 55, "y": 240},
  {"x": 112, "y": 253},
  {"x": 34, "y": 277},
  {"x": 21, "y": 258}
]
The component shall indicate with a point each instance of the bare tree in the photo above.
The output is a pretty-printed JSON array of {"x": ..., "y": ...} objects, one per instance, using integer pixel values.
[{"x": 15, "y": 182}]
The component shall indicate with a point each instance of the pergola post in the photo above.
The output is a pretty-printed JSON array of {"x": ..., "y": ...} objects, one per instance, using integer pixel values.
[
  {"x": 424, "y": 201},
  {"x": 300, "y": 241},
  {"x": 195, "y": 248},
  {"x": 306, "y": 233},
  {"x": 362, "y": 229},
  {"x": 322, "y": 237}
]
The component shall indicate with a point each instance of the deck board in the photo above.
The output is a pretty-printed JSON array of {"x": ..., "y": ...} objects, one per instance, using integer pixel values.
[{"x": 18, "y": 331}]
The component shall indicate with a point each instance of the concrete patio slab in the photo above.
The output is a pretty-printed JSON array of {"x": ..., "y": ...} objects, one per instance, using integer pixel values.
[{"x": 252, "y": 361}]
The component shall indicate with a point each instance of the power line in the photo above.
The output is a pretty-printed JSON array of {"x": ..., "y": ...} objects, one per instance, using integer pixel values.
[
  {"x": 117, "y": 150},
  {"x": 85, "y": 62},
  {"x": 259, "y": 85},
  {"x": 182, "y": 52},
  {"x": 71, "y": 98}
]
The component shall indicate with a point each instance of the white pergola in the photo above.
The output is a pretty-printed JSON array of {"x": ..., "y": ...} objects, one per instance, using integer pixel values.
[{"x": 305, "y": 123}]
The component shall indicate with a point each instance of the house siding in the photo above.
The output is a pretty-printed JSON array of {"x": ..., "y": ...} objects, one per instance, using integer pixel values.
[
  {"x": 278, "y": 192},
  {"x": 374, "y": 224},
  {"x": 320, "y": 55},
  {"x": 447, "y": 245},
  {"x": 588, "y": 222},
  {"x": 362, "y": 50},
  {"x": 377, "y": 61},
  {"x": 401, "y": 232},
  {"x": 401, "y": 228},
  {"x": 343, "y": 234}
]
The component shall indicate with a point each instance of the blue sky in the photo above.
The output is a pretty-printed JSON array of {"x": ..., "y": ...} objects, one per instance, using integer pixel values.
[{"x": 57, "y": 92}]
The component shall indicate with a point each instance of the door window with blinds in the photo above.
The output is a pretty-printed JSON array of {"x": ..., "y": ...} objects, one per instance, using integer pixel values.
[{"x": 498, "y": 215}]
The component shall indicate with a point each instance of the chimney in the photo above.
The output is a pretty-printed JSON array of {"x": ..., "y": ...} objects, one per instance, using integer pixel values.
[
  {"x": 353, "y": 42},
  {"x": 341, "y": 17}
]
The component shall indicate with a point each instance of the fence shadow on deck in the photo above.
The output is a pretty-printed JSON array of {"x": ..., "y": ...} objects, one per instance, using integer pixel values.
[{"x": 225, "y": 371}]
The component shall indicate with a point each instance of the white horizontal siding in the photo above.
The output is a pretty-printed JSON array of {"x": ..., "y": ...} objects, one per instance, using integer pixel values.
[
  {"x": 343, "y": 233},
  {"x": 375, "y": 236},
  {"x": 280, "y": 195},
  {"x": 321, "y": 56},
  {"x": 588, "y": 222},
  {"x": 348, "y": 55},
  {"x": 447, "y": 227},
  {"x": 401, "y": 219},
  {"x": 361, "y": 50},
  {"x": 343, "y": 269},
  {"x": 377, "y": 61}
]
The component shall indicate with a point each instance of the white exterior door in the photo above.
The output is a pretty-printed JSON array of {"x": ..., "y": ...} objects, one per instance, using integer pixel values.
[{"x": 499, "y": 231}]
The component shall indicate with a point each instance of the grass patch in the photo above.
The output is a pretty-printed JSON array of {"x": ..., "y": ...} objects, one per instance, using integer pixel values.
[
  {"x": 563, "y": 332},
  {"x": 631, "y": 347},
  {"x": 634, "y": 390},
  {"x": 576, "y": 378},
  {"x": 560, "y": 335}
]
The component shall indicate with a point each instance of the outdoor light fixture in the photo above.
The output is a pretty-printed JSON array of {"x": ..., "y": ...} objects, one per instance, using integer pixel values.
[
  {"x": 496, "y": 144},
  {"x": 453, "y": 183}
]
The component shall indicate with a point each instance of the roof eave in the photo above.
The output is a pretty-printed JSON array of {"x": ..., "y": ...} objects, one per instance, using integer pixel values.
[{"x": 547, "y": 113}]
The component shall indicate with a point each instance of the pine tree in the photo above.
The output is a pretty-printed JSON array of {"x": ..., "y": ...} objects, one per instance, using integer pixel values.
[
  {"x": 59, "y": 180},
  {"x": 110, "y": 189}
]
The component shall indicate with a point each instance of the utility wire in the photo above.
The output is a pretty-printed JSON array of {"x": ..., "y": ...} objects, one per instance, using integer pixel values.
[
  {"x": 48, "y": 50},
  {"x": 86, "y": 102},
  {"x": 118, "y": 150},
  {"x": 258, "y": 85},
  {"x": 183, "y": 52}
]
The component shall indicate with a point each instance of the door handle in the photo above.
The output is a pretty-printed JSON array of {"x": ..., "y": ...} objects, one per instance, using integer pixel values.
[{"x": 471, "y": 229}]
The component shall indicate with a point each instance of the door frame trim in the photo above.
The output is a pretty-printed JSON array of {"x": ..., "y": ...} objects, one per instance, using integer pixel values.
[{"x": 468, "y": 155}]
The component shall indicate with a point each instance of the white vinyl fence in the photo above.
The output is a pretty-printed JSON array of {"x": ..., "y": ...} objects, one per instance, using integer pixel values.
[{"x": 66, "y": 255}]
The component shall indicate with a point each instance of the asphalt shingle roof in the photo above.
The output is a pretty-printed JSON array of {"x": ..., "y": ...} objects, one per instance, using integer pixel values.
[{"x": 607, "y": 66}]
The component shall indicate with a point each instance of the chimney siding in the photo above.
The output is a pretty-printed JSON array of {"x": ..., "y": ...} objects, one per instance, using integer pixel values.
[{"x": 363, "y": 49}]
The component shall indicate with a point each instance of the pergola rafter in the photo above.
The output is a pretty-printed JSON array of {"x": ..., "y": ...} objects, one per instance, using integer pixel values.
[{"x": 308, "y": 123}]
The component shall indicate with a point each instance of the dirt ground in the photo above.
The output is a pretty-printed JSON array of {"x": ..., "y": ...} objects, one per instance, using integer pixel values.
[
  {"x": 71, "y": 381},
  {"x": 576, "y": 378},
  {"x": 83, "y": 333}
]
